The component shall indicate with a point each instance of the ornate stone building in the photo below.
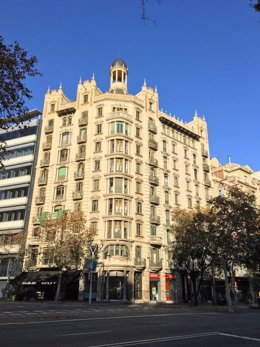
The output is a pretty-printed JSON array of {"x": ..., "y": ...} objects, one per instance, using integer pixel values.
[{"x": 125, "y": 164}]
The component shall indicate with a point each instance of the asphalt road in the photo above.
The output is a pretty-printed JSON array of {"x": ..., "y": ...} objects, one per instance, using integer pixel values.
[{"x": 77, "y": 325}]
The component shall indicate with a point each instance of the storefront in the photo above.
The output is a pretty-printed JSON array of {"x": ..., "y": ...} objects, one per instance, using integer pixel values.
[
  {"x": 155, "y": 292},
  {"x": 170, "y": 288}
]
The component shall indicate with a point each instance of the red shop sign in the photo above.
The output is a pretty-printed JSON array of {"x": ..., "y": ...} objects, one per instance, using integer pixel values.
[
  {"x": 169, "y": 276},
  {"x": 153, "y": 275}
]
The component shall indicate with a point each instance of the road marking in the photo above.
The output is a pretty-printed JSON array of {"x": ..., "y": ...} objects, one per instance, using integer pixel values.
[
  {"x": 241, "y": 337},
  {"x": 108, "y": 318},
  {"x": 161, "y": 339},
  {"x": 92, "y": 332}
]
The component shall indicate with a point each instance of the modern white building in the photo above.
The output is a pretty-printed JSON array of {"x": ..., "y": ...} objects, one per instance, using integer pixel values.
[{"x": 16, "y": 185}]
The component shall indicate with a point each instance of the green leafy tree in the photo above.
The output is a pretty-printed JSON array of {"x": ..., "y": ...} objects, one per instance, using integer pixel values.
[
  {"x": 234, "y": 231},
  {"x": 68, "y": 241},
  {"x": 15, "y": 67},
  {"x": 190, "y": 249}
]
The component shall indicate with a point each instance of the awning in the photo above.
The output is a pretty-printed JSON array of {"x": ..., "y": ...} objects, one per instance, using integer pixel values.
[{"x": 46, "y": 278}]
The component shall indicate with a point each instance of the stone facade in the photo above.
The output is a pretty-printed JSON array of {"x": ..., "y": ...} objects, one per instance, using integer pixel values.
[{"x": 126, "y": 165}]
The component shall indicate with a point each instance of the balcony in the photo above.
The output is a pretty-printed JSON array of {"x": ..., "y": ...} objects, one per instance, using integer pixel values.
[
  {"x": 153, "y": 161},
  {"x": 207, "y": 182},
  {"x": 82, "y": 138},
  {"x": 77, "y": 195},
  {"x": 79, "y": 175},
  {"x": 154, "y": 219},
  {"x": 40, "y": 200},
  {"x": 153, "y": 144},
  {"x": 45, "y": 162},
  {"x": 80, "y": 156},
  {"x": 46, "y": 145},
  {"x": 154, "y": 180},
  {"x": 156, "y": 264},
  {"x": 140, "y": 263},
  {"x": 154, "y": 199},
  {"x": 155, "y": 240},
  {"x": 36, "y": 220},
  {"x": 206, "y": 167},
  {"x": 83, "y": 121},
  {"x": 152, "y": 127},
  {"x": 48, "y": 129},
  {"x": 205, "y": 153},
  {"x": 42, "y": 180}
]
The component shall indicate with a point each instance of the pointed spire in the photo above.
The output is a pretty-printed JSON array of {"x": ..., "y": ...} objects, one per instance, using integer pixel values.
[
  {"x": 49, "y": 90},
  {"x": 196, "y": 113},
  {"x": 80, "y": 80},
  {"x": 155, "y": 89},
  {"x": 144, "y": 83},
  {"x": 203, "y": 117},
  {"x": 60, "y": 87},
  {"x": 93, "y": 77}
]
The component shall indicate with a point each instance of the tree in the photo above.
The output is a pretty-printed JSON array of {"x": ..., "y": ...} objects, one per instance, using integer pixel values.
[
  {"x": 191, "y": 246},
  {"x": 234, "y": 233},
  {"x": 225, "y": 236},
  {"x": 67, "y": 242},
  {"x": 15, "y": 67},
  {"x": 256, "y": 5},
  {"x": 12, "y": 253}
]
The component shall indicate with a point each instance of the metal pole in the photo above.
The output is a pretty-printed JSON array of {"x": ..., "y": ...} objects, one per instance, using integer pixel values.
[
  {"x": 90, "y": 286},
  {"x": 214, "y": 285}
]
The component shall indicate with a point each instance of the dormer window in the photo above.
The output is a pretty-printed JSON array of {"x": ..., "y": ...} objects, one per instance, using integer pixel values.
[
  {"x": 85, "y": 99},
  {"x": 52, "y": 107}
]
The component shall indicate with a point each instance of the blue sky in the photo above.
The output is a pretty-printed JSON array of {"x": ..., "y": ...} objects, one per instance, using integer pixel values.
[{"x": 203, "y": 55}]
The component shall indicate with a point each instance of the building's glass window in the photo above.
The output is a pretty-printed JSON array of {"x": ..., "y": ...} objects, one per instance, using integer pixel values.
[
  {"x": 99, "y": 129},
  {"x": 96, "y": 184},
  {"x": 176, "y": 198},
  {"x": 138, "y": 168},
  {"x": 138, "y": 187},
  {"x": 64, "y": 155},
  {"x": 62, "y": 173},
  {"x": 116, "y": 250},
  {"x": 97, "y": 165},
  {"x": 100, "y": 111},
  {"x": 94, "y": 205},
  {"x": 153, "y": 230},
  {"x": 78, "y": 206},
  {"x": 166, "y": 181},
  {"x": 164, "y": 146},
  {"x": 195, "y": 174},
  {"x": 60, "y": 193},
  {"x": 52, "y": 107},
  {"x": 85, "y": 98},
  {"x": 165, "y": 163},
  {"x": 65, "y": 138},
  {"x": 138, "y": 207},
  {"x": 138, "y": 229},
  {"x": 98, "y": 147},
  {"x": 138, "y": 149}
]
